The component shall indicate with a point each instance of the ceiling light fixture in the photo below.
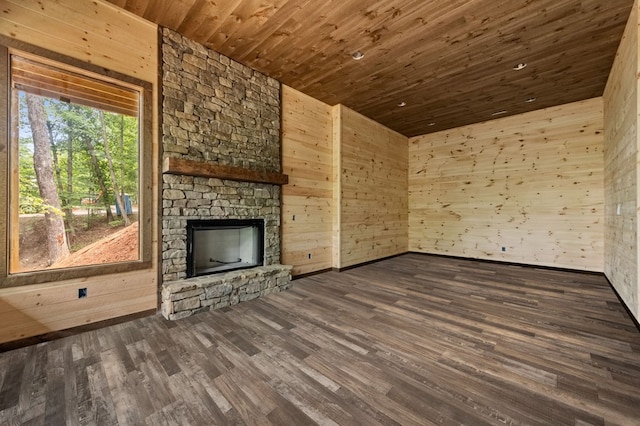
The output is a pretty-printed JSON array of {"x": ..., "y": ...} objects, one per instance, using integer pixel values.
[
  {"x": 504, "y": 111},
  {"x": 401, "y": 104},
  {"x": 431, "y": 124},
  {"x": 530, "y": 100},
  {"x": 520, "y": 66},
  {"x": 357, "y": 55}
]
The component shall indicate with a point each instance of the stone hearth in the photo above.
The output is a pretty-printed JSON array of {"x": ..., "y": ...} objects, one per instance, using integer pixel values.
[{"x": 183, "y": 298}]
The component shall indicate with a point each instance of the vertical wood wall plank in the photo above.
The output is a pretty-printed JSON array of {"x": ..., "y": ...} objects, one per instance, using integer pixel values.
[
  {"x": 373, "y": 190},
  {"x": 308, "y": 198},
  {"x": 621, "y": 160},
  {"x": 336, "y": 114}
]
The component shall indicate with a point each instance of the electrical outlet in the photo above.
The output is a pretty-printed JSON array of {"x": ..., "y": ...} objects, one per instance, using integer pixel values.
[{"x": 82, "y": 293}]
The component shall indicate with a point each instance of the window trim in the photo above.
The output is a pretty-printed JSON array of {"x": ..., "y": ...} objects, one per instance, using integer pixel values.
[{"x": 145, "y": 171}]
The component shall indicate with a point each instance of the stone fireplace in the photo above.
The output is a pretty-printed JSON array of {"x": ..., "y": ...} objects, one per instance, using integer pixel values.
[{"x": 221, "y": 162}]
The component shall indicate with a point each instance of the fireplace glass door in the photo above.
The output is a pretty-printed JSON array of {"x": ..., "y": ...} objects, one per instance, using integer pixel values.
[{"x": 222, "y": 245}]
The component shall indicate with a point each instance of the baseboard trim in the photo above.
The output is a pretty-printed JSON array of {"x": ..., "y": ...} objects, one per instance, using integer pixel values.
[
  {"x": 55, "y": 335},
  {"x": 369, "y": 262},
  {"x": 624, "y": 305},
  {"x": 310, "y": 274},
  {"x": 502, "y": 262}
]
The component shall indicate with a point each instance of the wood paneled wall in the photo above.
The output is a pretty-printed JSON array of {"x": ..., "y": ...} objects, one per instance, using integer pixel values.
[
  {"x": 346, "y": 201},
  {"x": 531, "y": 183},
  {"x": 104, "y": 35},
  {"x": 621, "y": 99},
  {"x": 371, "y": 187},
  {"x": 307, "y": 200}
]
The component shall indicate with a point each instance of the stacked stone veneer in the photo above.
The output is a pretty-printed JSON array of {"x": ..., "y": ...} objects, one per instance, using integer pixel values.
[
  {"x": 181, "y": 299},
  {"x": 216, "y": 111}
]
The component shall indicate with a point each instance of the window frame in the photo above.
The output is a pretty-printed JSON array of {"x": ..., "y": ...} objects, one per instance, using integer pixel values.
[{"x": 7, "y": 279}]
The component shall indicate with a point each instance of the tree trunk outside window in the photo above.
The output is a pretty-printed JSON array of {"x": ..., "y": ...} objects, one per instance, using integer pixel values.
[{"x": 43, "y": 164}]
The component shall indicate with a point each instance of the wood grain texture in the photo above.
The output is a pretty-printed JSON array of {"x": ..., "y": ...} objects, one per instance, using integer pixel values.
[
  {"x": 95, "y": 32},
  {"x": 103, "y": 35},
  {"x": 181, "y": 166},
  {"x": 307, "y": 200},
  {"x": 336, "y": 117},
  {"x": 451, "y": 62},
  {"x": 621, "y": 152},
  {"x": 372, "y": 190},
  {"x": 414, "y": 340},
  {"x": 532, "y": 184},
  {"x": 41, "y": 308}
]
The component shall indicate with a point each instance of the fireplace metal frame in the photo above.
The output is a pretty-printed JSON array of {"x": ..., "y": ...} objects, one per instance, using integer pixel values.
[{"x": 194, "y": 225}]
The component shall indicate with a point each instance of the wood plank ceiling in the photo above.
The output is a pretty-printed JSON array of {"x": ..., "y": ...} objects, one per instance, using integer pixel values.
[{"x": 450, "y": 61}]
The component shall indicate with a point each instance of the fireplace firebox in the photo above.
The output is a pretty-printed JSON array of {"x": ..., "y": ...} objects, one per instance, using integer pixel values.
[{"x": 221, "y": 245}]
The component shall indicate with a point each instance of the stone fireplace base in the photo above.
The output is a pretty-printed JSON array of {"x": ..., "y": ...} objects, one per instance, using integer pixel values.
[{"x": 187, "y": 297}]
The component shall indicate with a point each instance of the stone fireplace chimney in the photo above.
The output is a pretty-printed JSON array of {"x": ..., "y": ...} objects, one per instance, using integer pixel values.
[{"x": 217, "y": 115}]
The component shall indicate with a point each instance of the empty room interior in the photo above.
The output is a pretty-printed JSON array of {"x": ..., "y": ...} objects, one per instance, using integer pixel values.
[{"x": 338, "y": 213}]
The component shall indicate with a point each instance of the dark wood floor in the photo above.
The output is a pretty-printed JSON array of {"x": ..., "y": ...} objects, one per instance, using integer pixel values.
[{"x": 410, "y": 340}]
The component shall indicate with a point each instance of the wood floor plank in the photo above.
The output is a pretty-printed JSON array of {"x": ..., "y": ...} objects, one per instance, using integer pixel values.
[
  {"x": 55, "y": 389},
  {"x": 33, "y": 384},
  {"x": 119, "y": 386},
  {"x": 298, "y": 383},
  {"x": 412, "y": 340},
  {"x": 246, "y": 409},
  {"x": 102, "y": 409},
  {"x": 9, "y": 394}
]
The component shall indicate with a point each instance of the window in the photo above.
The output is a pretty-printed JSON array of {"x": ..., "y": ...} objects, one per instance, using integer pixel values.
[{"x": 77, "y": 199}]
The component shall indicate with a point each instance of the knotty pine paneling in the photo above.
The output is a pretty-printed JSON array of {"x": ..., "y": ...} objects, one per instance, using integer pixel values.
[
  {"x": 450, "y": 61},
  {"x": 336, "y": 117},
  {"x": 621, "y": 168},
  {"x": 531, "y": 183},
  {"x": 103, "y": 35},
  {"x": 307, "y": 200},
  {"x": 372, "y": 190},
  {"x": 95, "y": 32}
]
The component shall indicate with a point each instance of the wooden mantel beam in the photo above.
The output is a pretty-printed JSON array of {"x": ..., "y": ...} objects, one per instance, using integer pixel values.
[{"x": 180, "y": 166}]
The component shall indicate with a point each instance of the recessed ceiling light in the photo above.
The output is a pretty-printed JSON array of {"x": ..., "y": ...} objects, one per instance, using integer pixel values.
[
  {"x": 504, "y": 111},
  {"x": 431, "y": 124},
  {"x": 530, "y": 100},
  {"x": 401, "y": 104},
  {"x": 357, "y": 55},
  {"x": 520, "y": 66}
]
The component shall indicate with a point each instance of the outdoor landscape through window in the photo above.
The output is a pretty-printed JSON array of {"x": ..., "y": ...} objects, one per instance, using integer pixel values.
[{"x": 74, "y": 165}]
